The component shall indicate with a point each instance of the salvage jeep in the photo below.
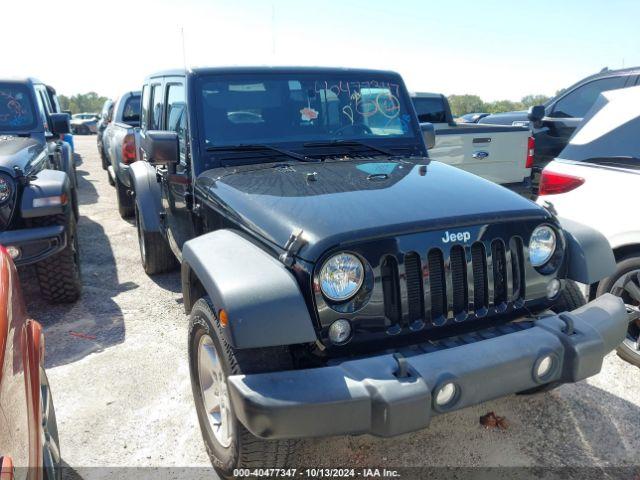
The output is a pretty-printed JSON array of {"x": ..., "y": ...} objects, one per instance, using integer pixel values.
[
  {"x": 38, "y": 195},
  {"x": 337, "y": 280}
]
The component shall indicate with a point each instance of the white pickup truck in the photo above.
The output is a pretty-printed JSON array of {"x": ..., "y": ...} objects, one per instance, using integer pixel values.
[{"x": 501, "y": 154}]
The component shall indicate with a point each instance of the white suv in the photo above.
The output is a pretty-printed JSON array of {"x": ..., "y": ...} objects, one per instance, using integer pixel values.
[{"x": 596, "y": 181}]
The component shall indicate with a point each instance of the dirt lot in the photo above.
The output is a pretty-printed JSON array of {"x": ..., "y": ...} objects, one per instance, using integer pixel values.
[{"x": 118, "y": 368}]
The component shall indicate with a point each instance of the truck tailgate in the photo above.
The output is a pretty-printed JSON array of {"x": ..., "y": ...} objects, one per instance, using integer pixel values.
[{"x": 497, "y": 153}]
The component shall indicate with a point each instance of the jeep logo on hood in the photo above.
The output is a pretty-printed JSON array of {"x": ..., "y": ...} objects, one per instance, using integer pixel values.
[{"x": 456, "y": 237}]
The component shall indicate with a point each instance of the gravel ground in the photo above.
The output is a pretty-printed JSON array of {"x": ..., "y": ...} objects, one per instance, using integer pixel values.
[{"x": 123, "y": 397}]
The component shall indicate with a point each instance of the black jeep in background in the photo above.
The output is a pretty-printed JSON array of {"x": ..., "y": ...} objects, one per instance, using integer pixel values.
[
  {"x": 38, "y": 194},
  {"x": 338, "y": 281}
]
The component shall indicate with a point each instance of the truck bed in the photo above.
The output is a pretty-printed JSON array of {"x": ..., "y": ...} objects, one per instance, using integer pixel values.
[{"x": 496, "y": 153}]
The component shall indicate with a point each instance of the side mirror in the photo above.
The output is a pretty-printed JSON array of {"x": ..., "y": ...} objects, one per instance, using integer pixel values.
[
  {"x": 161, "y": 147},
  {"x": 68, "y": 112},
  {"x": 536, "y": 114},
  {"x": 429, "y": 134},
  {"x": 60, "y": 124}
]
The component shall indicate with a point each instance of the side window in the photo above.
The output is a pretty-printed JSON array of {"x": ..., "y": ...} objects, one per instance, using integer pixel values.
[
  {"x": 176, "y": 119},
  {"x": 577, "y": 102},
  {"x": 131, "y": 111},
  {"x": 430, "y": 109},
  {"x": 155, "y": 113},
  {"x": 43, "y": 107},
  {"x": 144, "y": 113}
]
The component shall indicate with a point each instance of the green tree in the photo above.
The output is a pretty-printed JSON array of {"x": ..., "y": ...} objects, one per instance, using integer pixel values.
[
  {"x": 503, "y": 106},
  {"x": 532, "y": 100},
  {"x": 462, "y": 104},
  {"x": 89, "y": 102}
]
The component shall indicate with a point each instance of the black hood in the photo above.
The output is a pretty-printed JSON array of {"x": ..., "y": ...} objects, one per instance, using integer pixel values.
[
  {"x": 19, "y": 152},
  {"x": 346, "y": 201}
]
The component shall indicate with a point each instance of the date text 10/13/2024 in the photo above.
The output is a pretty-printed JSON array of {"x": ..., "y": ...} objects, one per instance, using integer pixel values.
[{"x": 316, "y": 473}]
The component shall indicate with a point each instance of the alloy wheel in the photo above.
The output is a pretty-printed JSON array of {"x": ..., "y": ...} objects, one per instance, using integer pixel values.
[{"x": 214, "y": 394}]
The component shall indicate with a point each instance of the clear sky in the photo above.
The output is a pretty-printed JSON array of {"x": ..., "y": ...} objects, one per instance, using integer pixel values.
[{"x": 495, "y": 49}]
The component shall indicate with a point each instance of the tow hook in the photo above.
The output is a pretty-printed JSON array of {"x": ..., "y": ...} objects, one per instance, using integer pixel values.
[
  {"x": 568, "y": 323},
  {"x": 403, "y": 370}
]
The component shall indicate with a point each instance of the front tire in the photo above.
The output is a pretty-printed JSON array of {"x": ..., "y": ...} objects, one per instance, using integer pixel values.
[
  {"x": 155, "y": 254},
  {"x": 211, "y": 360},
  {"x": 59, "y": 275},
  {"x": 625, "y": 283},
  {"x": 51, "y": 459},
  {"x": 570, "y": 298}
]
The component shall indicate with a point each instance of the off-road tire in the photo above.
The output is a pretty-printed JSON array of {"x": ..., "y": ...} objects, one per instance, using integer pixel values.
[
  {"x": 59, "y": 275},
  {"x": 52, "y": 461},
  {"x": 628, "y": 264},
  {"x": 155, "y": 254},
  {"x": 74, "y": 203},
  {"x": 570, "y": 298},
  {"x": 126, "y": 204},
  {"x": 103, "y": 158},
  {"x": 246, "y": 450}
]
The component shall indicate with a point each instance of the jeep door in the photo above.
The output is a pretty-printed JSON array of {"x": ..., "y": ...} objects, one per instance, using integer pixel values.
[{"x": 176, "y": 179}]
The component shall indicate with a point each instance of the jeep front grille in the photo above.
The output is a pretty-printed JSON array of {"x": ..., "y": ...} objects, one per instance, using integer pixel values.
[{"x": 452, "y": 283}]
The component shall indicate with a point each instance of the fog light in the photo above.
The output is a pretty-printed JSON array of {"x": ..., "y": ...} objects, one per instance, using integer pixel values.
[
  {"x": 339, "y": 331},
  {"x": 14, "y": 252},
  {"x": 544, "y": 366},
  {"x": 553, "y": 288},
  {"x": 445, "y": 394}
]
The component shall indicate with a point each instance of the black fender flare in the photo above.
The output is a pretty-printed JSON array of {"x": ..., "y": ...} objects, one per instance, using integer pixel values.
[
  {"x": 262, "y": 299},
  {"x": 66, "y": 157},
  {"x": 48, "y": 183},
  {"x": 590, "y": 255},
  {"x": 147, "y": 192}
]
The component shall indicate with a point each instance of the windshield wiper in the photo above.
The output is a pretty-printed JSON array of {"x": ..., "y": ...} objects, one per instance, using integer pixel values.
[
  {"x": 258, "y": 148},
  {"x": 347, "y": 143}
]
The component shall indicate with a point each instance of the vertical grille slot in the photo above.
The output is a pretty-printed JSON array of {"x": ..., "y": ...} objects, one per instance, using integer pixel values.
[
  {"x": 458, "y": 279},
  {"x": 517, "y": 267},
  {"x": 391, "y": 289},
  {"x": 479, "y": 261},
  {"x": 437, "y": 279},
  {"x": 415, "y": 296},
  {"x": 499, "y": 272}
]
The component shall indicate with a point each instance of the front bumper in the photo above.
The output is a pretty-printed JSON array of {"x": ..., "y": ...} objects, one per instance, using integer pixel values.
[
  {"x": 367, "y": 395},
  {"x": 35, "y": 244}
]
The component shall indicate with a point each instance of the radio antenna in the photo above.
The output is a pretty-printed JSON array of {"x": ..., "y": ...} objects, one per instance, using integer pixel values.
[
  {"x": 273, "y": 29},
  {"x": 184, "y": 50}
]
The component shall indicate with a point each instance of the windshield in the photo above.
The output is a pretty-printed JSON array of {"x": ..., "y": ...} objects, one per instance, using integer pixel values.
[
  {"x": 16, "y": 109},
  {"x": 302, "y": 108}
]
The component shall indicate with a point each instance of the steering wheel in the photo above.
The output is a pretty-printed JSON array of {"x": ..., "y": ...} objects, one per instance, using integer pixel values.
[{"x": 355, "y": 128}]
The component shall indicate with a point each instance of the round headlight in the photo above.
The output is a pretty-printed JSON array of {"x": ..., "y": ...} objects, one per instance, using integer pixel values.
[
  {"x": 542, "y": 245},
  {"x": 5, "y": 190},
  {"x": 341, "y": 277}
]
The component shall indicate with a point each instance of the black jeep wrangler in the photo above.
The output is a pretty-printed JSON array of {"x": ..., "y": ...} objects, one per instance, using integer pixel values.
[
  {"x": 338, "y": 281},
  {"x": 38, "y": 194}
]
